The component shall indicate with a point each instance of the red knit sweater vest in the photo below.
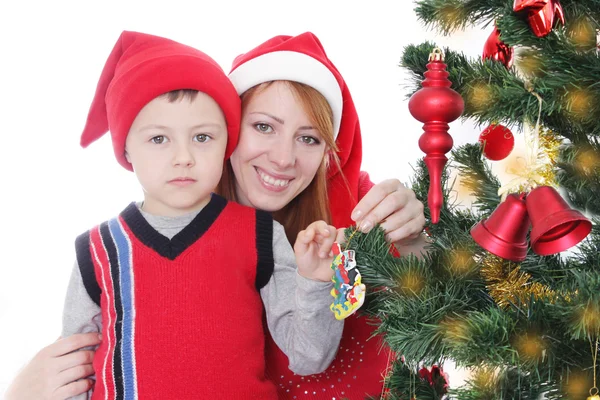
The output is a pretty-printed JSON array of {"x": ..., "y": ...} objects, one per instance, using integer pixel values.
[{"x": 182, "y": 318}]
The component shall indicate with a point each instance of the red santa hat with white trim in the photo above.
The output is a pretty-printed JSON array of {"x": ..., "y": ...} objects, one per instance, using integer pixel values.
[
  {"x": 142, "y": 67},
  {"x": 303, "y": 59}
]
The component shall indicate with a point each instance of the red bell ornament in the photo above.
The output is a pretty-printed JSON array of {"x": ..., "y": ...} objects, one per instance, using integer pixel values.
[
  {"x": 496, "y": 49},
  {"x": 555, "y": 226},
  {"x": 435, "y": 105},
  {"x": 542, "y": 15},
  {"x": 504, "y": 233}
]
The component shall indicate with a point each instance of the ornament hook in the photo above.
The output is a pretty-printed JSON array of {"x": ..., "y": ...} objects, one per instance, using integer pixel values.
[{"x": 436, "y": 55}]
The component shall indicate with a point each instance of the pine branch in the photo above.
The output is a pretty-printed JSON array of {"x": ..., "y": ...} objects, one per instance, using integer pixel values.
[
  {"x": 455, "y": 220},
  {"x": 414, "y": 298},
  {"x": 437, "y": 307},
  {"x": 478, "y": 177},
  {"x": 536, "y": 339},
  {"x": 405, "y": 383},
  {"x": 588, "y": 255},
  {"x": 415, "y": 59},
  {"x": 579, "y": 173},
  {"x": 494, "y": 93},
  {"x": 505, "y": 384},
  {"x": 450, "y": 15}
]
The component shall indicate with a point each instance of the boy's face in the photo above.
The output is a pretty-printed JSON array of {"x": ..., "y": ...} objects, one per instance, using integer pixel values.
[{"x": 177, "y": 152}]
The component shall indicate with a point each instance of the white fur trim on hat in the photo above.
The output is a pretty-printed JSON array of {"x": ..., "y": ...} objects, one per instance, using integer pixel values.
[{"x": 291, "y": 66}]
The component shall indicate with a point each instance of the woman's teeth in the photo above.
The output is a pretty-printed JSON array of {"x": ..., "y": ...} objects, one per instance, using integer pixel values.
[{"x": 272, "y": 181}]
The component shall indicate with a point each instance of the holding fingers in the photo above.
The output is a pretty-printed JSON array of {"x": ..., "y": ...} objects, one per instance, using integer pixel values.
[
  {"x": 57, "y": 372},
  {"x": 313, "y": 251},
  {"x": 398, "y": 211}
]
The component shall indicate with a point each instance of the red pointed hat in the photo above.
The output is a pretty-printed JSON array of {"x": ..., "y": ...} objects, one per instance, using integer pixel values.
[
  {"x": 140, "y": 68},
  {"x": 303, "y": 59}
]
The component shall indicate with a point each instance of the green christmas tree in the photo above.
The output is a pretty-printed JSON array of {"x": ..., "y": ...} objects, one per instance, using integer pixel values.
[{"x": 528, "y": 328}]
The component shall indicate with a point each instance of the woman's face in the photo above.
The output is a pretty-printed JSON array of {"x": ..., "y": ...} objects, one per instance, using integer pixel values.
[{"x": 279, "y": 150}]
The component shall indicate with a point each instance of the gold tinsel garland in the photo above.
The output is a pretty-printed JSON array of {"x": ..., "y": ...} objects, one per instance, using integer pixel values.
[
  {"x": 507, "y": 284},
  {"x": 539, "y": 168}
]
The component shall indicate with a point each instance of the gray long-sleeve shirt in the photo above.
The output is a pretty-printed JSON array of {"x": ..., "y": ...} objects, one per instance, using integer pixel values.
[{"x": 297, "y": 308}]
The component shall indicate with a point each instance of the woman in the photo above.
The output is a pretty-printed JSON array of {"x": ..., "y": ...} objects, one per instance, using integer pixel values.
[{"x": 299, "y": 157}]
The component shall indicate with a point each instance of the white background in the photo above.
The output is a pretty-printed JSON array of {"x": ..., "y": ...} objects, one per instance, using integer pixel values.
[{"x": 52, "y": 55}]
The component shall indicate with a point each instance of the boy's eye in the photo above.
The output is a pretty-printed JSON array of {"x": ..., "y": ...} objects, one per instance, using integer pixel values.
[
  {"x": 264, "y": 128},
  {"x": 158, "y": 139},
  {"x": 202, "y": 137}
]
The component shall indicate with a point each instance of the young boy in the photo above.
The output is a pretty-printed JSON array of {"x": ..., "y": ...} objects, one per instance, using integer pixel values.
[{"x": 175, "y": 283}]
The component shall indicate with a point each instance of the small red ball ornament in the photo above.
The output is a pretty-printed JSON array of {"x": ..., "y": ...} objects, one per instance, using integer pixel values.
[
  {"x": 497, "y": 141},
  {"x": 435, "y": 104}
]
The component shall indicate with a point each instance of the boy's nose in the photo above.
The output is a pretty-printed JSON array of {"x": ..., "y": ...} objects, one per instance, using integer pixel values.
[{"x": 183, "y": 157}]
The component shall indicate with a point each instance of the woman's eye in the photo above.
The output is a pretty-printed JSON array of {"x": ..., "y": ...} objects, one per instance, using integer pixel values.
[
  {"x": 158, "y": 139},
  {"x": 264, "y": 128},
  {"x": 202, "y": 138},
  {"x": 309, "y": 140}
]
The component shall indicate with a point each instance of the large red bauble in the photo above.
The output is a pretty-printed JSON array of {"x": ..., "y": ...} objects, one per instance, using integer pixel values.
[
  {"x": 497, "y": 142},
  {"x": 496, "y": 49}
]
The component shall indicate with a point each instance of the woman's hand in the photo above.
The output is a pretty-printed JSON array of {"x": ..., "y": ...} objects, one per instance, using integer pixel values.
[
  {"x": 57, "y": 372},
  {"x": 398, "y": 211}
]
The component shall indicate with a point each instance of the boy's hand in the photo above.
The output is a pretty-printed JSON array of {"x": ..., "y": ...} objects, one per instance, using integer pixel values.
[{"x": 313, "y": 251}]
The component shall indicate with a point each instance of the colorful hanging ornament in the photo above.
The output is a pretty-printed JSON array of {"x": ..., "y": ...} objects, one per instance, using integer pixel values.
[
  {"x": 348, "y": 291},
  {"x": 497, "y": 141},
  {"x": 496, "y": 49},
  {"x": 542, "y": 15},
  {"x": 435, "y": 104}
]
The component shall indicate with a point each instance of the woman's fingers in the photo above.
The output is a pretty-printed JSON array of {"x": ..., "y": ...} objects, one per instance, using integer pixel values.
[
  {"x": 69, "y": 344},
  {"x": 75, "y": 373},
  {"x": 72, "y": 389}
]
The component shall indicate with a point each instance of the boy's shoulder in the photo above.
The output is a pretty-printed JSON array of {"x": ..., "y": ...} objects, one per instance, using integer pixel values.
[{"x": 85, "y": 235}]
